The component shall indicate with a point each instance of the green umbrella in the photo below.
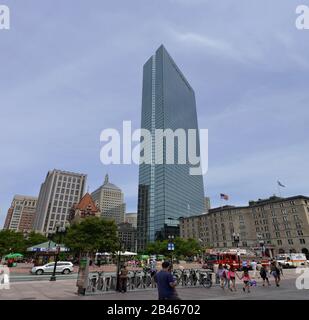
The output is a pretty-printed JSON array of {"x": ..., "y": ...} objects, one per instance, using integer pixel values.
[{"x": 14, "y": 255}]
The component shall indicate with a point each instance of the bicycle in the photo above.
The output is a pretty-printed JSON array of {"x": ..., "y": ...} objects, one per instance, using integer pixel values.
[{"x": 205, "y": 279}]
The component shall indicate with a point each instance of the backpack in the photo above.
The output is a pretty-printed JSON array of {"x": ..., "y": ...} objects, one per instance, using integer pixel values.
[{"x": 263, "y": 273}]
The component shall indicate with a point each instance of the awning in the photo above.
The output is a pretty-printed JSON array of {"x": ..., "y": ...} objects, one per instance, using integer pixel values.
[{"x": 48, "y": 246}]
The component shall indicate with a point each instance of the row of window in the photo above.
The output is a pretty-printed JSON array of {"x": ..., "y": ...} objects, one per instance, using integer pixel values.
[
  {"x": 290, "y": 241},
  {"x": 68, "y": 185},
  {"x": 67, "y": 198},
  {"x": 68, "y": 191},
  {"x": 69, "y": 179}
]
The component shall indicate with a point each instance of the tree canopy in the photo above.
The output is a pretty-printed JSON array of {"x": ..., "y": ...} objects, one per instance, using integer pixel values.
[
  {"x": 34, "y": 238},
  {"x": 185, "y": 248},
  {"x": 16, "y": 242},
  {"x": 92, "y": 234},
  {"x": 11, "y": 241}
]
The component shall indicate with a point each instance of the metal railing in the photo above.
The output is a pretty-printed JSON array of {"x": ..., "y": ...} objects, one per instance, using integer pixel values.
[{"x": 101, "y": 282}]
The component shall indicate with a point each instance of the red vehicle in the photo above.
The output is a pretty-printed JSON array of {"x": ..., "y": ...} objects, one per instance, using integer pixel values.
[{"x": 223, "y": 258}]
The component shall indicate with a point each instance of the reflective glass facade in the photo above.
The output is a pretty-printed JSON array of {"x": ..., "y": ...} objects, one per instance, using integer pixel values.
[{"x": 166, "y": 191}]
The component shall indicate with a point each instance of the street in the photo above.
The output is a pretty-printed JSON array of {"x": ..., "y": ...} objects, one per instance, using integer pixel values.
[{"x": 66, "y": 290}]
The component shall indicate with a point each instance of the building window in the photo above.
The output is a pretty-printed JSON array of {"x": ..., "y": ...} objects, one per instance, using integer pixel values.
[
  {"x": 279, "y": 242},
  {"x": 302, "y": 241},
  {"x": 290, "y": 241},
  {"x": 300, "y": 232}
]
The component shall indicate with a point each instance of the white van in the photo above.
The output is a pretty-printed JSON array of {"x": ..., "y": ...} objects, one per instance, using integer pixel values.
[{"x": 292, "y": 260}]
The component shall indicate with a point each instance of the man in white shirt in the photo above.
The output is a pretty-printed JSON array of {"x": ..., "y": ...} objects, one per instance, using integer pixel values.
[{"x": 253, "y": 266}]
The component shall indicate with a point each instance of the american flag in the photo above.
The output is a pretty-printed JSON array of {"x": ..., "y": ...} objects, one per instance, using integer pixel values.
[
  {"x": 280, "y": 184},
  {"x": 224, "y": 196}
]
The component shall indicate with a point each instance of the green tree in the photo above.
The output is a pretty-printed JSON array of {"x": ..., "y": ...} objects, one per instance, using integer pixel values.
[
  {"x": 157, "y": 247},
  {"x": 183, "y": 248},
  {"x": 92, "y": 234},
  {"x": 11, "y": 242},
  {"x": 187, "y": 248},
  {"x": 35, "y": 238}
]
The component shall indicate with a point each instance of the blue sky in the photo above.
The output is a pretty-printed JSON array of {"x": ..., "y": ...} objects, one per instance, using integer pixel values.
[{"x": 70, "y": 69}]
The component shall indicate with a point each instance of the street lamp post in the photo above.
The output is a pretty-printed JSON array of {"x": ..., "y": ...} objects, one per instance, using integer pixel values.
[
  {"x": 236, "y": 238},
  {"x": 171, "y": 246},
  {"x": 118, "y": 265},
  {"x": 202, "y": 256},
  {"x": 59, "y": 231}
]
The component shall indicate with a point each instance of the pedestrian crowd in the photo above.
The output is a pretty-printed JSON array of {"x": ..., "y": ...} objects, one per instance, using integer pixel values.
[{"x": 226, "y": 275}]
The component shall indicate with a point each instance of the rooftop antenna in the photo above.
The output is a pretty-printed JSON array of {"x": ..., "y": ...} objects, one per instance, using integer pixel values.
[{"x": 106, "y": 179}]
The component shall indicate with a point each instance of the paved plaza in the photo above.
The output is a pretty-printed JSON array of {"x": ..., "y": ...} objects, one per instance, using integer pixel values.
[{"x": 66, "y": 290}]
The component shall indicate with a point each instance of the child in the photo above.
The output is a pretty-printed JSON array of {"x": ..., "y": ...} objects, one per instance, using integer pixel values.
[
  {"x": 231, "y": 278},
  {"x": 246, "y": 279},
  {"x": 221, "y": 273}
]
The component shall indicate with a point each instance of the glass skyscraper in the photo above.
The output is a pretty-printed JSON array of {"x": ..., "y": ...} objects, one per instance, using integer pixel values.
[{"x": 166, "y": 191}]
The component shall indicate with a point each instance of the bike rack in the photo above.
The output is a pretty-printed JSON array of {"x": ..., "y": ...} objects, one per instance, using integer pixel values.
[{"x": 140, "y": 280}]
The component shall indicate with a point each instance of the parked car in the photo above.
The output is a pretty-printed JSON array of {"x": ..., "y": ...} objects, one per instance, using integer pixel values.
[{"x": 64, "y": 267}]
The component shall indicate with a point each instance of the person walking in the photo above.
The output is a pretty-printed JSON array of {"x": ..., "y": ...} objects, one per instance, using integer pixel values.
[
  {"x": 280, "y": 267},
  {"x": 166, "y": 283},
  {"x": 221, "y": 272},
  {"x": 153, "y": 271},
  {"x": 264, "y": 275},
  {"x": 275, "y": 272},
  {"x": 225, "y": 276},
  {"x": 246, "y": 280},
  {"x": 231, "y": 278},
  {"x": 123, "y": 278},
  {"x": 244, "y": 265},
  {"x": 253, "y": 266}
]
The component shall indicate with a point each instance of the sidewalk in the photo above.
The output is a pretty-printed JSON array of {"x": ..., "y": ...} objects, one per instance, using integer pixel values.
[{"x": 66, "y": 290}]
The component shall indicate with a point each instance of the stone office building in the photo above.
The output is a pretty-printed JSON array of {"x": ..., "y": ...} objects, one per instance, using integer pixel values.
[
  {"x": 127, "y": 236},
  {"x": 21, "y": 214},
  {"x": 110, "y": 200},
  {"x": 276, "y": 225},
  {"x": 58, "y": 193}
]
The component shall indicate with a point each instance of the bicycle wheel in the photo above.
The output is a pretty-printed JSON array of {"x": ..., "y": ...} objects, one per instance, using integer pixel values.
[{"x": 207, "y": 283}]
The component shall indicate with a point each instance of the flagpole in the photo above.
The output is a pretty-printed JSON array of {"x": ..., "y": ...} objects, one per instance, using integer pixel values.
[{"x": 279, "y": 191}]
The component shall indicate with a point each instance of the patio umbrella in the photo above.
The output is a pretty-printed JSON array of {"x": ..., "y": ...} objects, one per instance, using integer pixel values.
[{"x": 14, "y": 255}]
